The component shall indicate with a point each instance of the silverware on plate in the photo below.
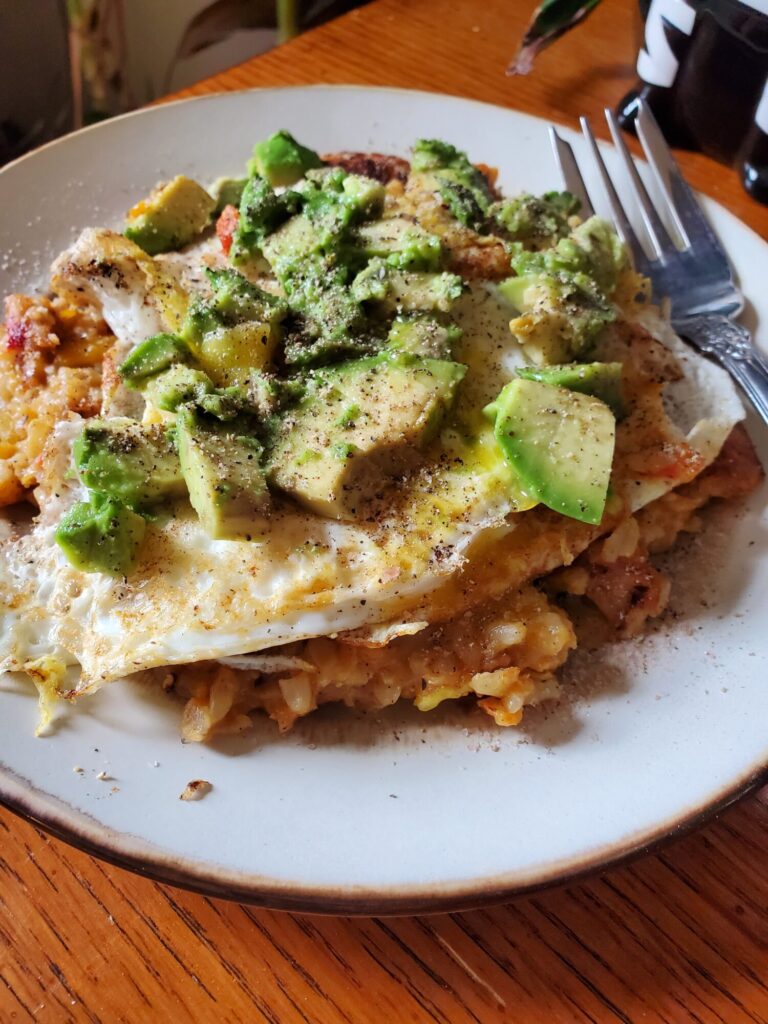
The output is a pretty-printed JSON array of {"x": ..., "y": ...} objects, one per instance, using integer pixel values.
[{"x": 691, "y": 270}]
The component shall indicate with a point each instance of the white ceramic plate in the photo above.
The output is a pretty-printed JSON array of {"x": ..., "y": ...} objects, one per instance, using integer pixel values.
[{"x": 402, "y": 811}]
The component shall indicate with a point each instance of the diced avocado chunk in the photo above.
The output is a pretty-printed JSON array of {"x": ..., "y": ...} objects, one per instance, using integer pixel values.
[
  {"x": 256, "y": 396},
  {"x": 227, "y": 192},
  {"x": 101, "y": 536},
  {"x": 361, "y": 423},
  {"x": 592, "y": 250},
  {"x": 561, "y": 314},
  {"x": 534, "y": 221},
  {"x": 134, "y": 463},
  {"x": 401, "y": 242},
  {"x": 333, "y": 200},
  {"x": 229, "y": 354},
  {"x": 332, "y": 317},
  {"x": 282, "y": 160},
  {"x": 462, "y": 187},
  {"x": 405, "y": 290},
  {"x": 331, "y": 205},
  {"x": 234, "y": 301},
  {"x": 603, "y": 380},
  {"x": 177, "y": 385},
  {"x": 560, "y": 443},
  {"x": 227, "y": 404},
  {"x": 311, "y": 254},
  {"x": 223, "y": 474},
  {"x": 435, "y": 155},
  {"x": 563, "y": 293},
  {"x": 153, "y": 356},
  {"x": 259, "y": 397},
  {"x": 261, "y": 211},
  {"x": 170, "y": 217},
  {"x": 292, "y": 242},
  {"x": 236, "y": 330},
  {"x": 365, "y": 196},
  {"x": 467, "y": 204},
  {"x": 424, "y": 334}
]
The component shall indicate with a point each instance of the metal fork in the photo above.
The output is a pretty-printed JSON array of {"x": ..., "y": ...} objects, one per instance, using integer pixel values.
[{"x": 696, "y": 277}]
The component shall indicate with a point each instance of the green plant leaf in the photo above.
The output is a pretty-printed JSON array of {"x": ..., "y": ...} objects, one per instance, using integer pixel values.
[{"x": 550, "y": 20}]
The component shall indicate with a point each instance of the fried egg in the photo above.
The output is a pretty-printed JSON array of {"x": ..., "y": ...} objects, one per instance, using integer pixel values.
[{"x": 192, "y": 598}]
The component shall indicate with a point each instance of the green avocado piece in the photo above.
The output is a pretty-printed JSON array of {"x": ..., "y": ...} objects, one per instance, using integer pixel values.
[
  {"x": 592, "y": 252},
  {"x": 401, "y": 242},
  {"x": 560, "y": 315},
  {"x": 404, "y": 291},
  {"x": 236, "y": 330},
  {"x": 560, "y": 443},
  {"x": 261, "y": 211},
  {"x": 101, "y": 536},
  {"x": 230, "y": 354},
  {"x": 462, "y": 187},
  {"x": 223, "y": 473},
  {"x": 603, "y": 380},
  {"x": 311, "y": 254},
  {"x": 259, "y": 398},
  {"x": 282, "y": 160},
  {"x": 332, "y": 319},
  {"x": 291, "y": 243},
  {"x": 435, "y": 155},
  {"x": 227, "y": 192},
  {"x": 594, "y": 248},
  {"x": 170, "y": 217},
  {"x": 335, "y": 195},
  {"x": 467, "y": 203},
  {"x": 329, "y": 207},
  {"x": 234, "y": 301},
  {"x": 133, "y": 463},
  {"x": 364, "y": 196},
  {"x": 153, "y": 356},
  {"x": 424, "y": 334},
  {"x": 535, "y": 221},
  {"x": 177, "y": 385},
  {"x": 332, "y": 204},
  {"x": 227, "y": 404},
  {"x": 563, "y": 293},
  {"x": 360, "y": 424}
]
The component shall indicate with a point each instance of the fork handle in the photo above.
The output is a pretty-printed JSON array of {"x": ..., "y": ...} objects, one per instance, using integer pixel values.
[{"x": 731, "y": 345}]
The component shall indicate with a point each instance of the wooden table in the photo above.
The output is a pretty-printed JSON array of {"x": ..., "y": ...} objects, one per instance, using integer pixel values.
[{"x": 675, "y": 937}]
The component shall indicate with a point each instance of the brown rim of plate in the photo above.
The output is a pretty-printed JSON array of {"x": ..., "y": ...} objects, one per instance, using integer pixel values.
[{"x": 359, "y": 901}]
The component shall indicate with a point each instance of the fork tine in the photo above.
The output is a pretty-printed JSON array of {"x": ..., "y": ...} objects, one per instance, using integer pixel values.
[
  {"x": 657, "y": 233},
  {"x": 623, "y": 228},
  {"x": 685, "y": 208},
  {"x": 569, "y": 171}
]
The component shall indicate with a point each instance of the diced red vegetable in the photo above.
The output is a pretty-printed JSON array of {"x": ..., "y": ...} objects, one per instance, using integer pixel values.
[{"x": 226, "y": 225}]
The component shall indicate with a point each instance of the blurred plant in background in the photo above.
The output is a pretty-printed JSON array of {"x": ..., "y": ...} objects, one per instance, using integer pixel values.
[
  {"x": 549, "y": 21},
  {"x": 97, "y": 54},
  {"x": 129, "y": 52},
  {"x": 67, "y": 63}
]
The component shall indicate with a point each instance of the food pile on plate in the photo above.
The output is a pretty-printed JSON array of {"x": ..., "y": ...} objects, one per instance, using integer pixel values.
[{"x": 349, "y": 428}]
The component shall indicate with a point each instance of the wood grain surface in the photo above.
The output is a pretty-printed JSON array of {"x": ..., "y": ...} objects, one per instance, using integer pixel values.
[{"x": 675, "y": 937}]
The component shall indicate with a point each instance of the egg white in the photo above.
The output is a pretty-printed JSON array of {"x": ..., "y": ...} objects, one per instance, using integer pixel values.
[{"x": 192, "y": 598}]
